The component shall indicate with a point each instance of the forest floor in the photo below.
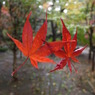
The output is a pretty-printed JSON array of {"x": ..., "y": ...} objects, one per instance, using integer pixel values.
[{"x": 39, "y": 82}]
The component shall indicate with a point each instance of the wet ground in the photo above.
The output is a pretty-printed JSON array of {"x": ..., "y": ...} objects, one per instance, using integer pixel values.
[{"x": 39, "y": 82}]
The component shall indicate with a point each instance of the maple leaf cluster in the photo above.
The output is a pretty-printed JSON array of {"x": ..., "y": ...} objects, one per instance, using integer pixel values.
[
  {"x": 69, "y": 52},
  {"x": 38, "y": 49}
]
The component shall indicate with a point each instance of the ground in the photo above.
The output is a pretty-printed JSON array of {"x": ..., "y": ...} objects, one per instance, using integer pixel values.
[{"x": 39, "y": 82}]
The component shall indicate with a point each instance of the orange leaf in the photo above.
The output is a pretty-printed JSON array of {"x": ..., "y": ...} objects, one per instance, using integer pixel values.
[{"x": 30, "y": 47}]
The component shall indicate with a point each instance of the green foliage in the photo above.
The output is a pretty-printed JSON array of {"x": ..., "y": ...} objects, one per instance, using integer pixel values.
[
  {"x": 81, "y": 36},
  {"x": 81, "y": 31},
  {"x": 76, "y": 16},
  {"x": 3, "y": 49},
  {"x": 77, "y": 12},
  {"x": 50, "y": 39}
]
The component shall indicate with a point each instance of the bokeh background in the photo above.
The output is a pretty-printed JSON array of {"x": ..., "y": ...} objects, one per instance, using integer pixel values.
[{"x": 77, "y": 15}]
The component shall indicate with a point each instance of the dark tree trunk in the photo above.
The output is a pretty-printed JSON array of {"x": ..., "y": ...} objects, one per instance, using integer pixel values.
[
  {"x": 93, "y": 59},
  {"x": 14, "y": 34},
  {"x": 53, "y": 31},
  {"x": 91, "y": 33},
  {"x": 14, "y": 62},
  {"x": 90, "y": 42},
  {"x": 14, "y": 52}
]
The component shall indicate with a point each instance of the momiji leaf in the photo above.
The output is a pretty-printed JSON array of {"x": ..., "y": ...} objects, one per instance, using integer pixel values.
[
  {"x": 19, "y": 45},
  {"x": 34, "y": 63},
  {"x": 30, "y": 47},
  {"x": 55, "y": 46},
  {"x": 60, "y": 65},
  {"x": 42, "y": 59},
  {"x": 50, "y": 47},
  {"x": 74, "y": 44},
  {"x": 65, "y": 37},
  {"x": 65, "y": 34},
  {"x": 41, "y": 35},
  {"x": 27, "y": 36},
  {"x": 78, "y": 51},
  {"x": 74, "y": 59},
  {"x": 60, "y": 53},
  {"x": 69, "y": 51},
  {"x": 69, "y": 65},
  {"x": 43, "y": 51}
]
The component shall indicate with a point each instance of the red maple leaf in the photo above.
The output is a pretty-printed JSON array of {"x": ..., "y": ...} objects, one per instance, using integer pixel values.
[
  {"x": 69, "y": 51},
  {"x": 32, "y": 48}
]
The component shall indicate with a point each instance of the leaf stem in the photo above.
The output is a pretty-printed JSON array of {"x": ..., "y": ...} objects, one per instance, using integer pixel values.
[
  {"x": 19, "y": 67},
  {"x": 74, "y": 68}
]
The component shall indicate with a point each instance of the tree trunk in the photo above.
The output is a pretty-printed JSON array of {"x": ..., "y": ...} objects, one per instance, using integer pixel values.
[
  {"x": 93, "y": 60},
  {"x": 91, "y": 32},
  {"x": 53, "y": 31},
  {"x": 90, "y": 42},
  {"x": 14, "y": 62}
]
